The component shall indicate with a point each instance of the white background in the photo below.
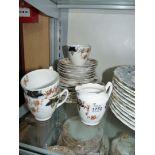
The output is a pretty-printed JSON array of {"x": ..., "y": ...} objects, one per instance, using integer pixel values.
[{"x": 145, "y": 77}]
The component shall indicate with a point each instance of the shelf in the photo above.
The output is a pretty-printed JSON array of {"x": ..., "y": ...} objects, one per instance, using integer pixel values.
[
  {"x": 94, "y": 2},
  {"x": 51, "y": 7},
  {"x": 36, "y": 136}
]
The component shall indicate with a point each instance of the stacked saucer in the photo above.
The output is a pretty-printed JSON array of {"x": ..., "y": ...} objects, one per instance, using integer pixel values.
[
  {"x": 122, "y": 100},
  {"x": 71, "y": 75},
  {"x": 79, "y": 137}
]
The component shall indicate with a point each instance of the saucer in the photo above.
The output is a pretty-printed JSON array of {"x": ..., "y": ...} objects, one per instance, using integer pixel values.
[
  {"x": 124, "y": 114},
  {"x": 67, "y": 62},
  {"x": 122, "y": 118},
  {"x": 123, "y": 107},
  {"x": 73, "y": 75},
  {"x": 126, "y": 75},
  {"x": 124, "y": 101}
]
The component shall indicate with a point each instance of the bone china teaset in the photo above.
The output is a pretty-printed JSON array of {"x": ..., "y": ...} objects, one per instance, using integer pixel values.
[{"x": 43, "y": 96}]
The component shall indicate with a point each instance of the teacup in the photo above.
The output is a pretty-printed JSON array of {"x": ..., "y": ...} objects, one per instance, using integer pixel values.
[
  {"x": 41, "y": 82},
  {"x": 92, "y": 99},
  {"x": 43, "y": 108},
  {"x": 41, "y": 87},
  {"x": 78, "y": 54}
]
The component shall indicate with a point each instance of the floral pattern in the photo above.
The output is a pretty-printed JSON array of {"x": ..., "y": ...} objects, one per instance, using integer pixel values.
[
  {"x": 85, "y": 106},
  {"x": 39, "y": 93},
  {"x": 33, "y": 104},
  {"x": 51, "y": 91},
  {"x": 96, "y": 108},
  {"x": 93, "y": 117},
  {"x": 85, "y": 53},
  {"x": 26, "y": 80}
]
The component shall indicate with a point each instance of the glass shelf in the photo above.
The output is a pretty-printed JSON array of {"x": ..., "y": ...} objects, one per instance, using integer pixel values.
[{"x": 35, "y": 136}]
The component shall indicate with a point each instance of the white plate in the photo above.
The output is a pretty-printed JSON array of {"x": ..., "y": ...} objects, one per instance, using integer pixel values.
[
  {"x": 75, "y": 82},
  {"x": 123, "y": 100},
  {"x": 68, "y": 86},
  {"x": 126, "y": 95},
  {"x": 76, "y": 76},
  {"x": 123, "y": 86},
  {"x": 126, "y": 75},
  {"x": 73, "y": 75},
  {"x": 124, "y": 115},
  {"x": 79, "y": 71},
  {"x": 125, "y": 122},
  {"x": 120, "y": 89},
  {"x": 124, "y": 108},
  {"x": 121, "y": 119},
  {"x": 74, "y": 69},
  {"x": 132, "y": 100},
  {"x": 67, "y": 62},
  {"x": 123, "y": 94}
]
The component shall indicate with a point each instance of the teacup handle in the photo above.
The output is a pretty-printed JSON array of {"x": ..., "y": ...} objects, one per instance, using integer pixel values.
[
  {"x": 51, "y": 67},
  {"x": 60, "y": 95},
  {"x": 109, "y": 88}
]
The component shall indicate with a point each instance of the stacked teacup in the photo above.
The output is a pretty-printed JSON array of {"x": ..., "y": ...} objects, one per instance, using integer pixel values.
[
  {"x": 77, "y": 68},
  {"x": 41, "y": 92},
  {"x": 79, "y": 54}
]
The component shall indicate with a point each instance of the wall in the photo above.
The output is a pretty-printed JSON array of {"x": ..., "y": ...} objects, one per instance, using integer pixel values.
[{"x": 110, "y": 33}]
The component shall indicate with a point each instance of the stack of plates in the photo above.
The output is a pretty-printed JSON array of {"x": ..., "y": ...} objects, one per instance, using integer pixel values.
[
  {"x": 72, "y": 98},
  {"x": 71, "y": 75},
  {"x": 80, "y": 138},
  {"x": 122, "y": 100}
]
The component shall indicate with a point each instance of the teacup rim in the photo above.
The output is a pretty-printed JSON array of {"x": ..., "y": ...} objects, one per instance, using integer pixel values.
[
  {"x": 21, "y": 81},
  {"x": 101, "y": 87},
  {"x": 83, "y": 45}
]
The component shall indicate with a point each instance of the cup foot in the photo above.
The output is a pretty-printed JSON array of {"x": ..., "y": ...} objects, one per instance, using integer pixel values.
[
  {"x": 91, "y": 124},
  {"x": 43, "y": 119}
]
